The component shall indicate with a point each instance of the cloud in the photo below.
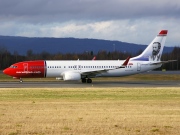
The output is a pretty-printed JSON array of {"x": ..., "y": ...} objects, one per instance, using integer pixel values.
[
  {"x": 45, "y": 11},
  {"x": 134, "y": 21},
  {"x": 122, "y": 30}
]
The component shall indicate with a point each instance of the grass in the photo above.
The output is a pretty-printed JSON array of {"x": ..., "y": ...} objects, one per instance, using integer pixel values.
[
  {"x": 135, "y": 111},
  {"x": 83, "y": 94}
]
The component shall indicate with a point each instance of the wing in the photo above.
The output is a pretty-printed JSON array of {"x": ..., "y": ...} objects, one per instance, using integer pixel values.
[{"x": 95, "y": 72}]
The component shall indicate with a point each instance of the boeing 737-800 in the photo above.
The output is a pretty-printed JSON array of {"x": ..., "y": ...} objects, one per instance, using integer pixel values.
[{"x": 84, "y": 70}]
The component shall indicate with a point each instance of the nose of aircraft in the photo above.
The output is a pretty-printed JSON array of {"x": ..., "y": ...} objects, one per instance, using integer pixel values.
[
  {"x": 9, "y": 72},
  {"x": 5, "y": 71}
]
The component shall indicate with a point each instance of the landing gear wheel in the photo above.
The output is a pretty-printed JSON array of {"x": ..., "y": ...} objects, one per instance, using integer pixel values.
[
  {"x": 83, "y": 80},
  {"x": 89, "y": 80},
  {"x": 20, "y": 80}
]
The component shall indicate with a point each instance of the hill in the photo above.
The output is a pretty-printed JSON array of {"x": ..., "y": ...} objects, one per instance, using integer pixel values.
[{"x": 67, "y": 45}]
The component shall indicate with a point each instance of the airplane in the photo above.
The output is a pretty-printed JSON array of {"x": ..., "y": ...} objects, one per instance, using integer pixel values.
[{"x": 84, "y": 70}]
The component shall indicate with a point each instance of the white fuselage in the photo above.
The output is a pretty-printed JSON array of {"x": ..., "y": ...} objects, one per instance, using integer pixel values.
[{"x": 57, "y": 68}]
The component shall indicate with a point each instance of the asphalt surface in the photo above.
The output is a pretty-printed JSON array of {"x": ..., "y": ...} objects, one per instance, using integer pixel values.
[{"x": 100, "y": 84}]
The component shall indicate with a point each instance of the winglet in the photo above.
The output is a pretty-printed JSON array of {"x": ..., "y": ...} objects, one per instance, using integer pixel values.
[{"x": 125, "y": 63}]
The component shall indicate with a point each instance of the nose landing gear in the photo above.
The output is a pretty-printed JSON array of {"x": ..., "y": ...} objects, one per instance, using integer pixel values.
[{"x": 20, "y": 80}]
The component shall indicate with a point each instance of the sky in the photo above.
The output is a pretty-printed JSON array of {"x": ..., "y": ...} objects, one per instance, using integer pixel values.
[{"x": 133, "y": 21}]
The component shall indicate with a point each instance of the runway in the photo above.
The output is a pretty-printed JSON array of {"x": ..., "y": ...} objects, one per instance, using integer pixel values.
[{"x": 100, "y": 84}]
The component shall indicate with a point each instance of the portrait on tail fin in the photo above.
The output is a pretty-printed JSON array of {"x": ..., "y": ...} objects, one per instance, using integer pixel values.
[{"x": 156, "y": 47}]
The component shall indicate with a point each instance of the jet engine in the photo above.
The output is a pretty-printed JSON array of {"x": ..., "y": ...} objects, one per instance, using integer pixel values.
[{"x": 71, "y": 76}]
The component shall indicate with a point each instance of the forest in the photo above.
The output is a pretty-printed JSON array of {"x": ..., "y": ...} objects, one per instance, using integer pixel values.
[{"x": 7, "y": 58}]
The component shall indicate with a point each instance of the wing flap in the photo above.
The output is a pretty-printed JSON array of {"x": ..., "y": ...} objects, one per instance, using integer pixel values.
[{"x": 95, "y": 72}]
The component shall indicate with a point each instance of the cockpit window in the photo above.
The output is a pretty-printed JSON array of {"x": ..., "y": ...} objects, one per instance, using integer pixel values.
[{"x": 12, "y": 66}]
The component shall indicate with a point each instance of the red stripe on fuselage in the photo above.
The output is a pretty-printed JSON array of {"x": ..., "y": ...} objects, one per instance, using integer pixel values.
[{"x": 27, "y": 69}]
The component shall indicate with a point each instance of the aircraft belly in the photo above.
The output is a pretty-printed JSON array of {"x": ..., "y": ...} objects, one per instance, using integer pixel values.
[{"x": 52, "y": 73}]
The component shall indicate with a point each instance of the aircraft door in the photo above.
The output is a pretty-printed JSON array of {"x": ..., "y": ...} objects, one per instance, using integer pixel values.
[
  {"x": 138, "y": 66},
  {"x": 25, "y": 67},
  {"x": 75, "y": 67}
]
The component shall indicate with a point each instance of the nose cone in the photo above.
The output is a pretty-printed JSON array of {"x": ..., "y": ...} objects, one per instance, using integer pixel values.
[
  {"x": 6, "y": 71},
  {"x": 10, "y": 72}
]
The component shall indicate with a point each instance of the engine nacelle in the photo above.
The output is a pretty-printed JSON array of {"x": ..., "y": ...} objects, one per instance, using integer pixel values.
[{"x": 71, "y": 76}]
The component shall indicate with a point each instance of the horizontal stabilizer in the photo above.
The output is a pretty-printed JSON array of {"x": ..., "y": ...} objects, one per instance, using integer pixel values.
[{"x": 162, "y": 62}]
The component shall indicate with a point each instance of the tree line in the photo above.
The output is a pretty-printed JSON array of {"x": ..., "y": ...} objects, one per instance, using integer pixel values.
[{"x": 7, "y": 58}]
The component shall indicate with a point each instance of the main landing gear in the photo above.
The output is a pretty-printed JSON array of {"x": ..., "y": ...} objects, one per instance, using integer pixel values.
[{"x": 88, "y": 80}]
